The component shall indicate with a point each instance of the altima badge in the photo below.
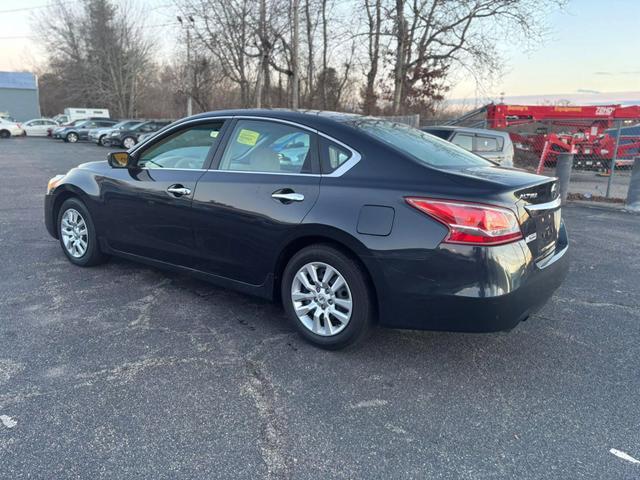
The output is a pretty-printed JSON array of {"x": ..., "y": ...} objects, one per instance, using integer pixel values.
[{"x": 528, "y": 196}]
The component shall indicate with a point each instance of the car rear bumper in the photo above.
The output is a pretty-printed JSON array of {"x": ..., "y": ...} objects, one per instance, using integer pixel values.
[{"x": 469, "y": 289}]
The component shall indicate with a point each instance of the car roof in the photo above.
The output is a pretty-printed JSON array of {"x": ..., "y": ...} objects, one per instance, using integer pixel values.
[
  {"x": 312, "y": 118},
  {"x": 456, "y": 128}
]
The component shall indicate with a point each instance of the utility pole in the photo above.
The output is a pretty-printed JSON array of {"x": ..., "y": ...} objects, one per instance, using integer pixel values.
[
  {"x": 294, "y": 54},
  {"x": 190, "y": 70}
]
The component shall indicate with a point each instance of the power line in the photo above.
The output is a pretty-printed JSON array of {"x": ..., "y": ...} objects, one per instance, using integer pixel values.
[{"x": 25, "y": 9}]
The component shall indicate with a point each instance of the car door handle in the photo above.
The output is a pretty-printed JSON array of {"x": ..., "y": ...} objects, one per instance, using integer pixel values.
[
  {"x": 178, "y": 190},
  {"x": 288, "y": 197}
]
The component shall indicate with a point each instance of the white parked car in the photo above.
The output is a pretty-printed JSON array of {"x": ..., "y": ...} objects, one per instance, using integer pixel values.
[
  {"x": 9, "y": 128},
  {"x": 38, "y": 127},
  {"x": 493, "y": 145}
]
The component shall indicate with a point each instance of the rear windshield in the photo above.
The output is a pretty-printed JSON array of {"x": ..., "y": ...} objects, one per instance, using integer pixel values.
[{"x": 422, "y": 146}]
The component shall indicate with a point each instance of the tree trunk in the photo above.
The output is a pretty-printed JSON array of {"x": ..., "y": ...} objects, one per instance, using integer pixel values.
[
  {"x": 310, "y": 66},
  {"x": 399, "y": 71},
  {"x": 294, "y": 56},
  {"x": 370, "y": 97}
]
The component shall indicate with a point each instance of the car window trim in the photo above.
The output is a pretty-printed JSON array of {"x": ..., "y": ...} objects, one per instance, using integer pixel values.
[{"x": 227, "y": 127}]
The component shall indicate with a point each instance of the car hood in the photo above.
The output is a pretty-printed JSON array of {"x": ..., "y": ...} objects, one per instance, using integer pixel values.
[{"x": 97, "y": 166}]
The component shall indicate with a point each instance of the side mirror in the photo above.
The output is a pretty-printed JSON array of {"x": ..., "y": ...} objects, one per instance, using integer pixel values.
[{"x": 120, "y": 160}]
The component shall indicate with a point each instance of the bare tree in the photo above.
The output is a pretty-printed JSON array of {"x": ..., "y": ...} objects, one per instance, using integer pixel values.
[
  {"x": 374, "y": 30},
  {"x": 431, "y": 36}
]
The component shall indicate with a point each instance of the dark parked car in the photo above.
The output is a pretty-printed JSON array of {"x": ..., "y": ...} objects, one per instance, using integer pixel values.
[
  {"x": 348, "y": 220},
  {"x": 128, "y": 137},
  {"x": 80, "y": 131},
  {"x": 100, "y": 136}
]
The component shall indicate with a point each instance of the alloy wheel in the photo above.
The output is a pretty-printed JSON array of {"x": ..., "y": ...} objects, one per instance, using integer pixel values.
[
  {"x": 72, "y": 138},
  {"x": 128, "y": 143},
  {"x": 321, "y": 299},
  {"x": 75, "y": 235}
]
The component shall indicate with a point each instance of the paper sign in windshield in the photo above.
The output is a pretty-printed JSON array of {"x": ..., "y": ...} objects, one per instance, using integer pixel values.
[{"x": 248, "y": 137}]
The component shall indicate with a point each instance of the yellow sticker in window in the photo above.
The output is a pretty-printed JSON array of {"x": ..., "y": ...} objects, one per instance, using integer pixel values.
[
  {"x": 214, "y": 134},
  {"x": 248, "y": 137}
]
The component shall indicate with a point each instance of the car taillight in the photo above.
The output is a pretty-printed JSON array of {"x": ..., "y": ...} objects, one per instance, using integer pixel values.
[{"x": 471, "y": 223}]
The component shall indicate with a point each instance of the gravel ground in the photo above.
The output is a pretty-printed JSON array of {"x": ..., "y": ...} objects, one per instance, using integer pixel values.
[{"x": 124, "y": 371}]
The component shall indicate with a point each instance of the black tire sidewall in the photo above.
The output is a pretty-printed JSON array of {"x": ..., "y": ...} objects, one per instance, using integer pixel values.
[
  {"x": 362, "y": 313},
  {"x": 93, "y": 255}
]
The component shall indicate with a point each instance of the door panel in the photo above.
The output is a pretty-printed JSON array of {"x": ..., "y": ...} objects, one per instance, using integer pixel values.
[
  {"x": 148, "y": 208},
  {"x": 239, "y": 228},
  {"x": 144, "y": 219}
]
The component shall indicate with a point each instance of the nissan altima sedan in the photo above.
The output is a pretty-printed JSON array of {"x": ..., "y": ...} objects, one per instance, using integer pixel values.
[{"x": 350, "y": 221}]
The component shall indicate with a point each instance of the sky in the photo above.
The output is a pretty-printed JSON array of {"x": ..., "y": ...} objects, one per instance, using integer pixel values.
[{"x": 591, "y": 55}]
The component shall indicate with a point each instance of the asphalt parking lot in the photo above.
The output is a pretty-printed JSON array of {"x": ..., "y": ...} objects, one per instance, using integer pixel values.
[{"x": 124, "y": 371}]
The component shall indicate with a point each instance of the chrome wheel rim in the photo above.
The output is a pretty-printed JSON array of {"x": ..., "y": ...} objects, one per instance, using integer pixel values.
[
  {"x": 128, "y": 143},
  {"x": 321, "y": 299},
  {"x": 75, "y": 236},
  {"x": 73, "y": 138}
]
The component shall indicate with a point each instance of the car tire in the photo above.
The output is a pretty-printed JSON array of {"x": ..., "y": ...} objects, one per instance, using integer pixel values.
[
  {"x": 335, "y": 316},
  {"x": 77, "y": 234},
  {"x": 71, "y": 137},
  {"x": 5, "y": 133},
  {"x": 103, "y": 141},
  {"x": 128, "y": 142}
]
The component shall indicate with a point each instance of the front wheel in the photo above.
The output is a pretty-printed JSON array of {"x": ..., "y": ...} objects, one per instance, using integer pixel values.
[
  {"x": 71, "y": 137},
  {"x": 128, "y": 142},
  {"x": 326, "y": 295},
  {"x": 77, "y": 234}
]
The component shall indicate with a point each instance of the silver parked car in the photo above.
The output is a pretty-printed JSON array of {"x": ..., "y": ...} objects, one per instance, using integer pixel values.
[{"x": 493, "y": 145}]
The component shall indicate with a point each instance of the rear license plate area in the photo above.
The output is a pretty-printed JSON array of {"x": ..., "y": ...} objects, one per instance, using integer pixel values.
[{"x": 547, "y": 227}]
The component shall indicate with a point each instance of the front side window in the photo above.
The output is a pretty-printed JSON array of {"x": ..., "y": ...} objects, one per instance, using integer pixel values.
[
  {"x": 264, "y": 146},
  {"x": 186, "y": 149},
  {"x": 421, "y": 146}
]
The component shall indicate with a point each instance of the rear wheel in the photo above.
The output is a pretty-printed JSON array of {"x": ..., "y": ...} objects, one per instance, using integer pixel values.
[
  {"x": 326, "y": 295},
  {"x": 5, "y": 134},
  {"x": 77, "y": 234},
  {"x": 104, "y": 141}
]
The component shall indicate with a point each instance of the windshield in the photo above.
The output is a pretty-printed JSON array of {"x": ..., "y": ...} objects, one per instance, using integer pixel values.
[
  {"x": 427, "y": 149},
  {"x": 124, "y": 124},
  {"x": 139, "y": 125}
]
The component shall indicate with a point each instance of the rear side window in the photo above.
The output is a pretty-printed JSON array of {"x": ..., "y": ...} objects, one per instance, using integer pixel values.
[
  {"x": 332, "y": 156},
  {"x": 488, "y": 144},
  {"x": 270, "y": 147}
]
